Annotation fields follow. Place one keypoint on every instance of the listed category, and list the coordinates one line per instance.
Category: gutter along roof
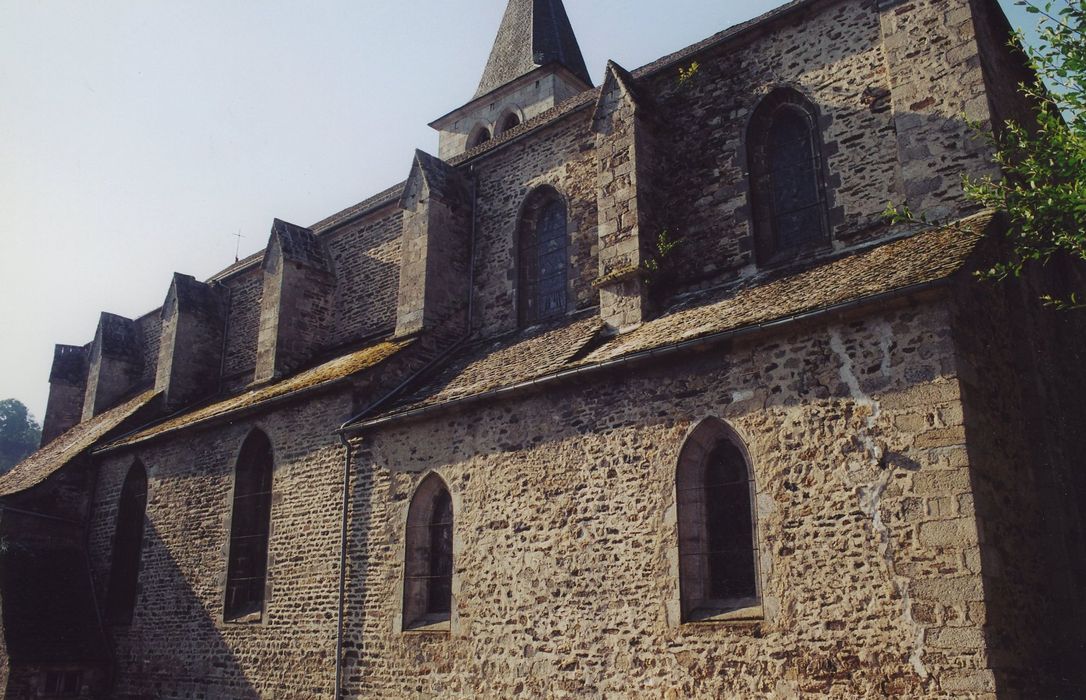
(775, 298)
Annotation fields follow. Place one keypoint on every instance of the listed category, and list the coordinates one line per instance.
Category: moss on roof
(327, 373)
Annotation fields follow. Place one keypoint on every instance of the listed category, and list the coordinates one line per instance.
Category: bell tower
(534, 65)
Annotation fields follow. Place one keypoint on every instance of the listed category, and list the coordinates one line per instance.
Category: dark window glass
(787, 188)
(440, 595)
(543, 261)
(797, 207)
(730, 531)
(127, 547)
(248, 566)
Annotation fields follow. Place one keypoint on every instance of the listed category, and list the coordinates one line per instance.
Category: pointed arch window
(250, 524)
(714, 495)
(127, 547)
(543, 261)
(787, 179)
(428, 559)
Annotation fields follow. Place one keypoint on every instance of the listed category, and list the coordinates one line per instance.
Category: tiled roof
(906, 262)
(900, 264)
(532, 33)
(520, 357)
(327, 373)
(49, 459)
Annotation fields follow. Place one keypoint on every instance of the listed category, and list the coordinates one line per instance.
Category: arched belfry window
(250, 524)
(787, 179)
(509, 121)
(478, 137)
(127, 547)
(428, 558)
(714, 495)
(543, 258)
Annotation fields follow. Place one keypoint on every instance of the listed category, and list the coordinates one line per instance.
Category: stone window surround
(527, 213)
(130, 606)
(446, 627)
(746, 612)
(777, 96)
(261, 617)
(476, 138)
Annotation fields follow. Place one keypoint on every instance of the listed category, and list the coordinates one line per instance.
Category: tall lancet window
(127, 548)
(715, 491)
(428, 558)
(543, 257)
(787, 181)
(247, 570)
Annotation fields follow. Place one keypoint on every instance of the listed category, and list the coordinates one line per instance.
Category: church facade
(630, 391)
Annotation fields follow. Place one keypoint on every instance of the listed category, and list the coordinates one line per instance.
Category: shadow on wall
(175, 647)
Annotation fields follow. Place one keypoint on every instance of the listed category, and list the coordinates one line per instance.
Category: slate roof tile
(49, 459)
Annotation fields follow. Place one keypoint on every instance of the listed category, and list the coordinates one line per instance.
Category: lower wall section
(565, 580)
(178, 645)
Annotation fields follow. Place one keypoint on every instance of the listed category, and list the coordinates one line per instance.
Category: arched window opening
(714, 490)
(478, 137)
(510, 121)
(429, 556)
(247, 570)
(787, 181)
(543, 258)
(127, 548)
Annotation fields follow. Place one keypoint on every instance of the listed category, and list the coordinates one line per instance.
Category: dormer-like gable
(190, 348)
(296, 303)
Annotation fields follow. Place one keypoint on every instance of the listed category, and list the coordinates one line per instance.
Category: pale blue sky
(138, 136)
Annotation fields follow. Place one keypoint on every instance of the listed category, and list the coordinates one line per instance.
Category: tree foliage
(19, 433)
(1043, 188)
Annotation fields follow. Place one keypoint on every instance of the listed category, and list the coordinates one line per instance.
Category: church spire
(533, 33)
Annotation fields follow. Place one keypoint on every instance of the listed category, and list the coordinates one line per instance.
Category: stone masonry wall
(1022, 386)
(565, 573)
(178, 645)
(834, 57)
(242, 327)
(366, 255)
(560, 156)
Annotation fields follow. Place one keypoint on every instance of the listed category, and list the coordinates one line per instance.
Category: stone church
(631, 391)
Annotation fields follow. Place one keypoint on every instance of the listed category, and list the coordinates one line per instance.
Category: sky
(141, 137)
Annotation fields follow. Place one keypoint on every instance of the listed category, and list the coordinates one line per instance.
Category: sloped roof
(906, 262)
(534, 352)
(533, 33)
(321, 375)
(898, 265)
(49, 459)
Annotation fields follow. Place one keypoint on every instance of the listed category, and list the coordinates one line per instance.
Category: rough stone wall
(1004, 69)
(937, 87)
(242, 327)
(178, 645)
(366, 255)
(190, 359)
(115, 367)
(149, 328)
(561, 155)
(834, 57)
(1022, 383)
(67, 389)
(565, 574)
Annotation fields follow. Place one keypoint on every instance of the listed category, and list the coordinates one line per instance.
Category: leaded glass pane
(543, 263)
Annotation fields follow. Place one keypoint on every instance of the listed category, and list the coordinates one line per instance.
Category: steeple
(533, 33)
(535, 64)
